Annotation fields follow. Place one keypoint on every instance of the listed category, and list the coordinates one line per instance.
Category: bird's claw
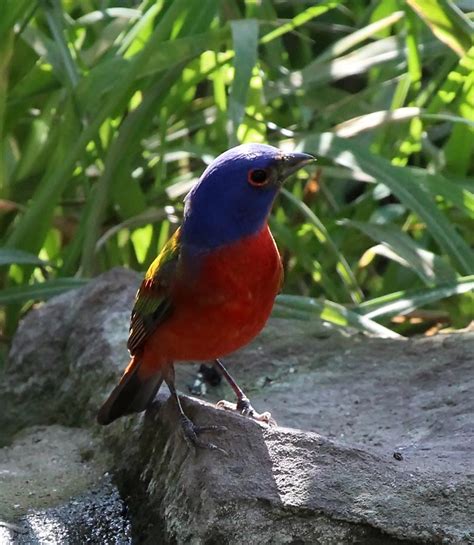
(244, 408)
(191, 434)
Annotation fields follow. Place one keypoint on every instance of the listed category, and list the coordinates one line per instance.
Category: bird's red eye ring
(258, 177)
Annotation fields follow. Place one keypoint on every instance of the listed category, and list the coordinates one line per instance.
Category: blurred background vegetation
(110, 110)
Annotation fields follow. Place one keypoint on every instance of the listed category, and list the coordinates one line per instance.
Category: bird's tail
(133, 394)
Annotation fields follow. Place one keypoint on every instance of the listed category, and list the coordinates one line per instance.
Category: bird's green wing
(153, 303)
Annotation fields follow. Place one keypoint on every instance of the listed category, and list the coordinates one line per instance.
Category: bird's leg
(243, 405)
(190, 430)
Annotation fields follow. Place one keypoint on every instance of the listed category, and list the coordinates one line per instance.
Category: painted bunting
(212, 288)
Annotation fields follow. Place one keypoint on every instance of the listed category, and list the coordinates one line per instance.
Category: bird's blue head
(234, 196)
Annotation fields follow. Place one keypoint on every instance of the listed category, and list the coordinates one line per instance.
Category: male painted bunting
(212, 288)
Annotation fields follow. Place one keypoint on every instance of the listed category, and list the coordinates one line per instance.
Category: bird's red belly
(225, 308)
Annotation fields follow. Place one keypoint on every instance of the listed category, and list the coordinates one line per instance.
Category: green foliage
(109, 111)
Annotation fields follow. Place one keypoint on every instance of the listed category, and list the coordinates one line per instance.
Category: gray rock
(382, 452)
(67, 354)
(281, 485)
(408, 396)
(53, 490)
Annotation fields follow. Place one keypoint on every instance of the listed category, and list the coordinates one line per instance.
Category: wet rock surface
(97, 516)
(54, 489)
(381, 450)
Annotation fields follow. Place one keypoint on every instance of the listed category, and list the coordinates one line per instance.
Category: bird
(211, 289)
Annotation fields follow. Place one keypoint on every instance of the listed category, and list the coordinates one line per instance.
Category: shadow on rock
(276, 485)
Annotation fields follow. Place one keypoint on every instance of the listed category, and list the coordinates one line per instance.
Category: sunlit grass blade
(355, 38)
(403, 302)
(333, 313)
(449, 24)
(357, 62)
(374, 120)
(302, 18)
(94, 17)
(31, 229)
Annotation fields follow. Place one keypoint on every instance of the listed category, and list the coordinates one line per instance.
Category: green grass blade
(300, 19)
(412, 39)
(355, 38)
(436, 184)
(460, 146)
(428, 266)
(175, 51)
(359, 61)
(446, 22)
(343, 268)
(403, 186)
(406, 301)
(12, 12)
(32, 228)
(55, 19)
(6, 51)
(115, 173)
(375, 120)
(334, 313)
(39, 292)
(245, 41)
(10, 256)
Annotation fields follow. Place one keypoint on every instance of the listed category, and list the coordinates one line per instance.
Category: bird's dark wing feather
(153, 303)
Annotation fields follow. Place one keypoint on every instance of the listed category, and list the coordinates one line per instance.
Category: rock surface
(381, 453)
(281, 485)
(66, 354)
(53, 490)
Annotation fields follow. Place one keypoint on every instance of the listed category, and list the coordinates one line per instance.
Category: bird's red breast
(223, 307)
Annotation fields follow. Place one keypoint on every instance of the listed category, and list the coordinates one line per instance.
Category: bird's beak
(291, 162)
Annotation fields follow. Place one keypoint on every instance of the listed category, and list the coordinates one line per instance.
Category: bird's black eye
(258, 176)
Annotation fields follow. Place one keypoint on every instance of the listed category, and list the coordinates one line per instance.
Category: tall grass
(109, 111)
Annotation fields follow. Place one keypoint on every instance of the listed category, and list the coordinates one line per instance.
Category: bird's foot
(244, 408)
(192, 432)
